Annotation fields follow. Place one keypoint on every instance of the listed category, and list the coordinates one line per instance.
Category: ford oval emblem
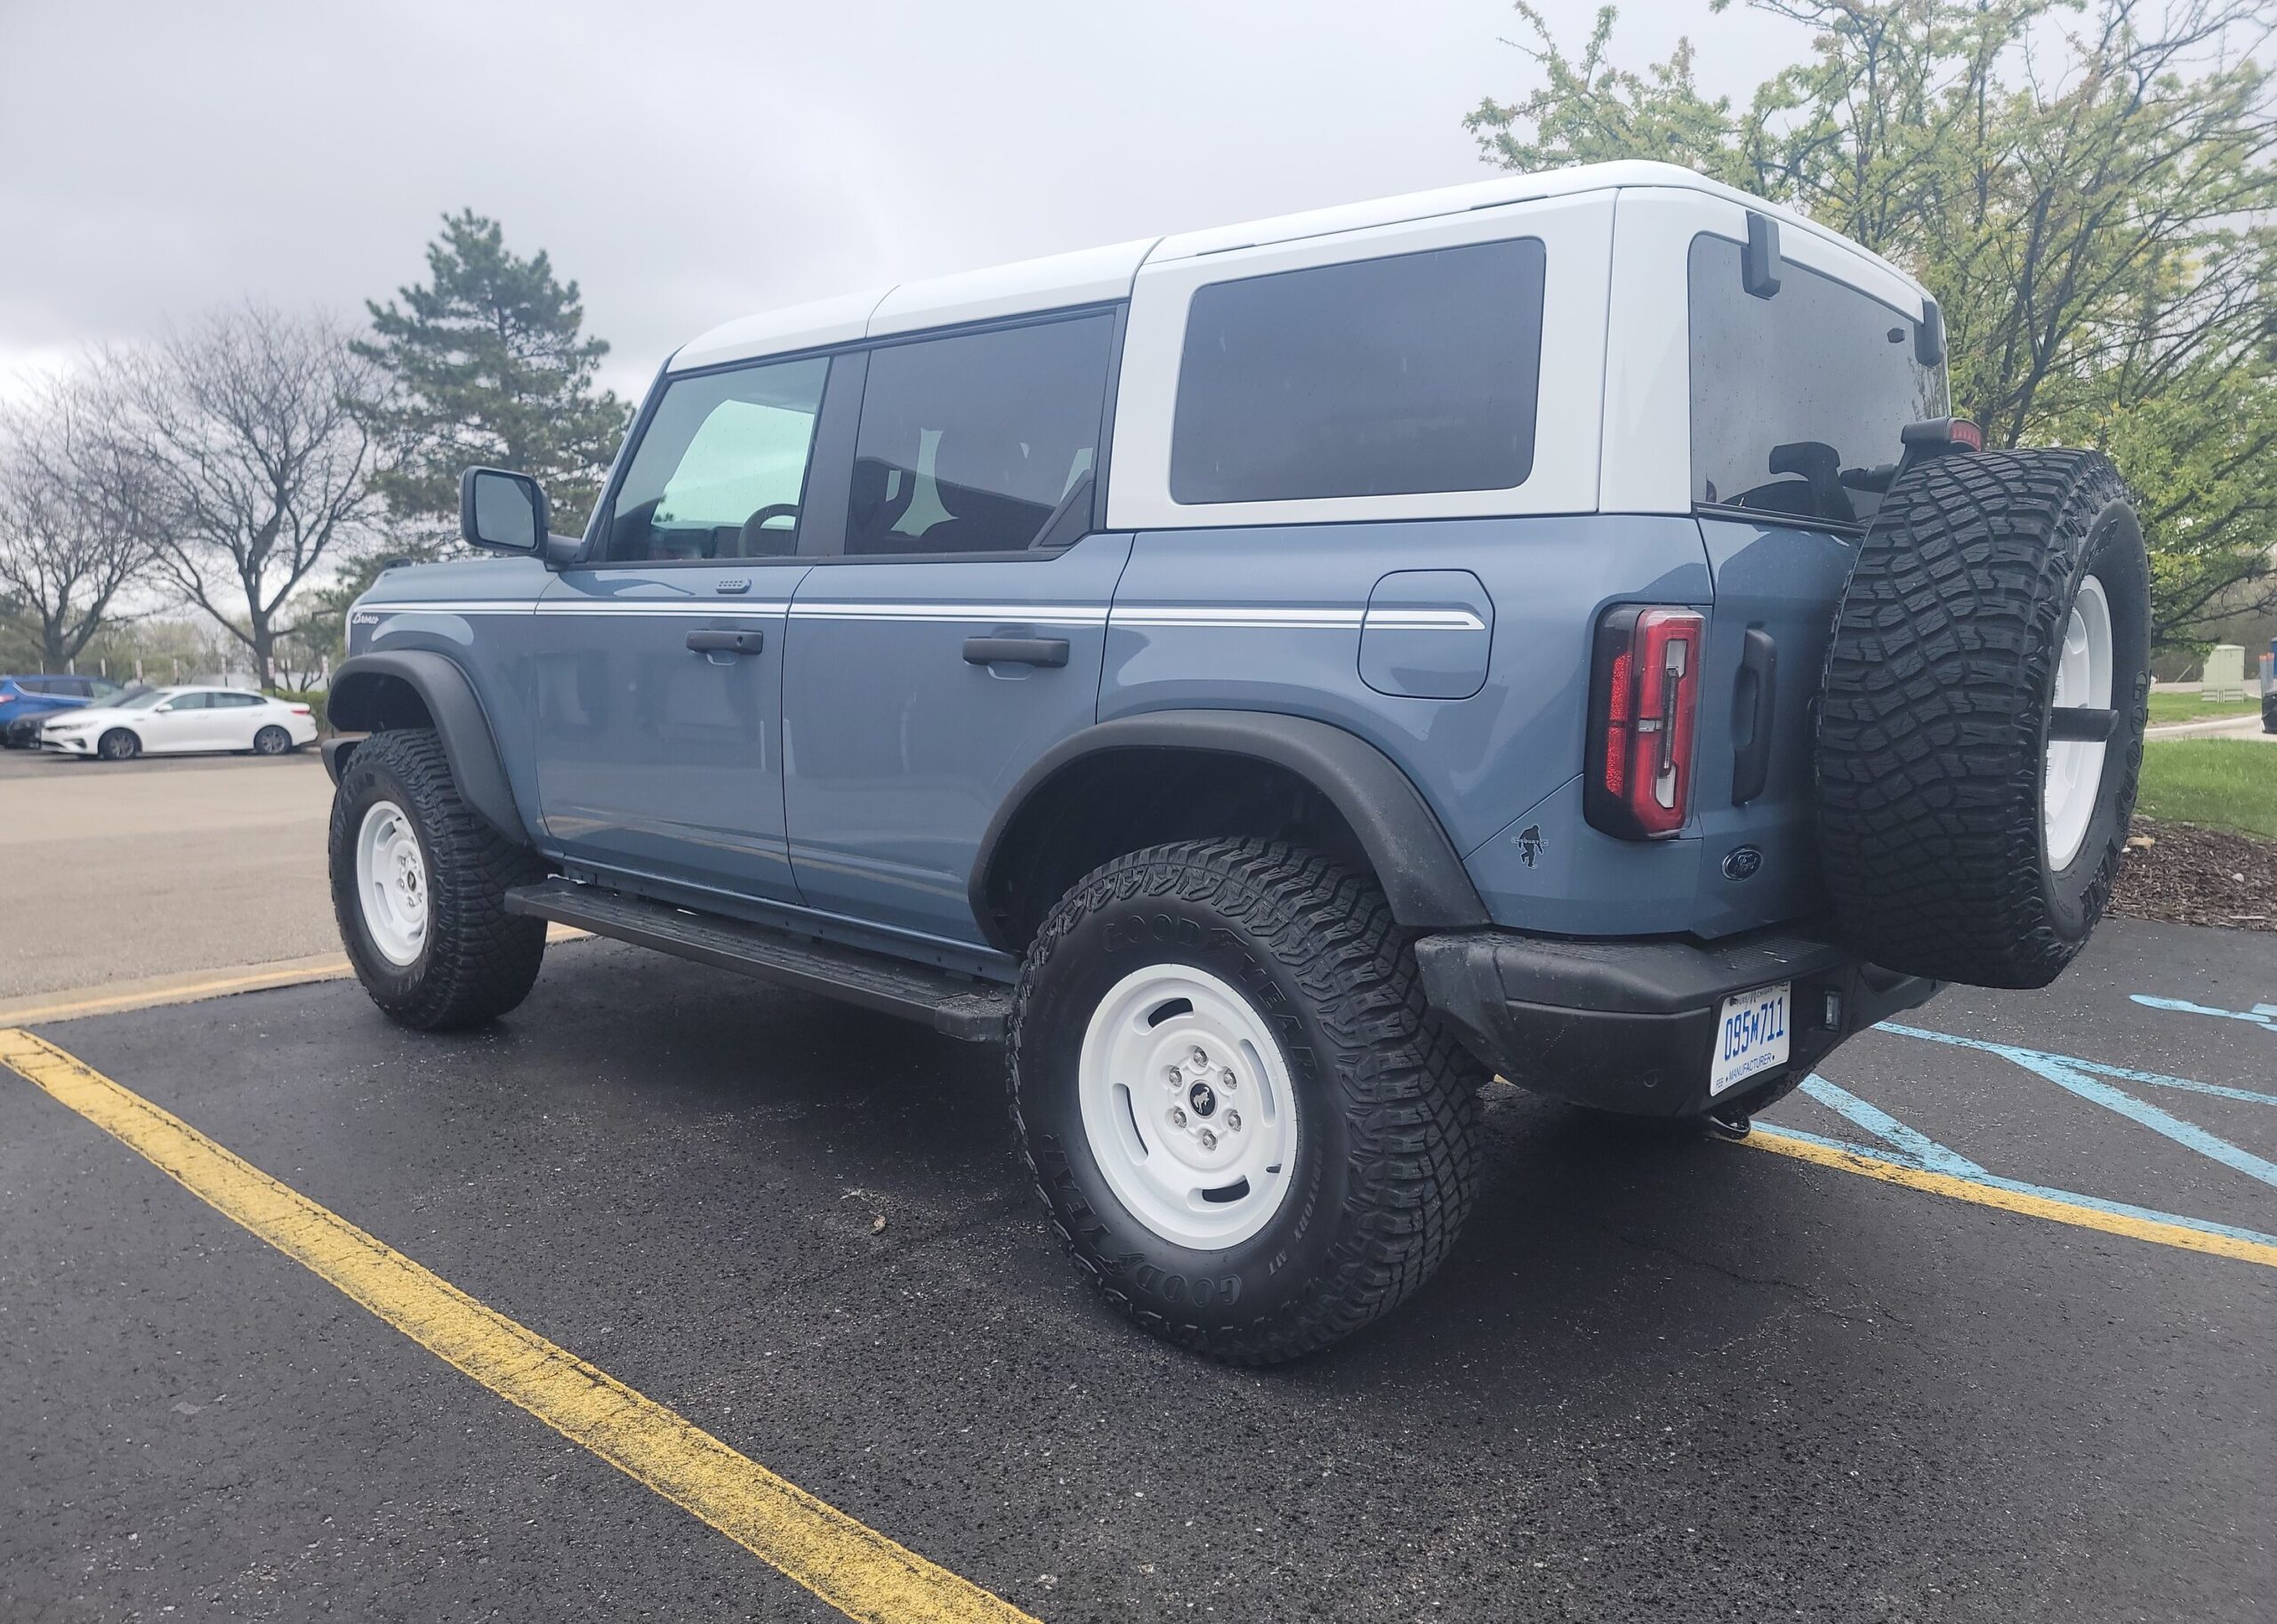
(1741, 861)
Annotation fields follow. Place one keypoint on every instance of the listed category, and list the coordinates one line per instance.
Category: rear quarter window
(1797, 399)
(1411, 373)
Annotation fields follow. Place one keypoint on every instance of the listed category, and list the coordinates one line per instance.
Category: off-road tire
(1386, 1165)
(1932, 735)
(477, 961)
(119, 745)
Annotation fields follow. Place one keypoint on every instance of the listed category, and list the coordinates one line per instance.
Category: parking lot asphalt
(114, 871)
(1659, 1377)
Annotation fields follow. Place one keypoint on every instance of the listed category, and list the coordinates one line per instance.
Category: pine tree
(487, 363)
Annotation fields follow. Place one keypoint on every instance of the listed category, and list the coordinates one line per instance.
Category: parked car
(26, 701)
(177, 720)
(2269, 688)
(1275, 678)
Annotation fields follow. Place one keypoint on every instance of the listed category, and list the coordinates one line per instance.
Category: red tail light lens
(1966, 433)
(302, 710)
(1644, 709)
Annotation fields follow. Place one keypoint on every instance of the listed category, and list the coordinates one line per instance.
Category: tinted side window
(1379, 377)
(721, 467)
(232, 702)
(1797, 398)
(190, 702)
(969, 442)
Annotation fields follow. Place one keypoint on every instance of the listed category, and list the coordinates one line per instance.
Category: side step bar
(973, 1010)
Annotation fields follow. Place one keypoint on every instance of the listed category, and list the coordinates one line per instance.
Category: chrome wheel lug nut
(1209, 1140)
(1176, 1075)
(1226, 1078)
(1233, 1122)
(1178, 1116)
(1200, 1058)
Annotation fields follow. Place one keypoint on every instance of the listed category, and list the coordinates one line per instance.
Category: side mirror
(503, 512)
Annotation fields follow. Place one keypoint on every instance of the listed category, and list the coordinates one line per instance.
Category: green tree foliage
(2086, 187)
(486, 362)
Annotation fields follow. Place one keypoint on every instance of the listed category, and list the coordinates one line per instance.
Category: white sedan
(171, 720)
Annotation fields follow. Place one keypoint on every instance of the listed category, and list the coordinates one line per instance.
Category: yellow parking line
(2016, 1201)
(182, 991)
(853, 1567)
(198, 985)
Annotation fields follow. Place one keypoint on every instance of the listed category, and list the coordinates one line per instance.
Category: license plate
(1752, 1038)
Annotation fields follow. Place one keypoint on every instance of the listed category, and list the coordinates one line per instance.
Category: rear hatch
(1776, 590)
(1798, 401)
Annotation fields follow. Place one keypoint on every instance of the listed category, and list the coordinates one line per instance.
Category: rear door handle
(727, 642)
(1758, 672)
(1015, 651)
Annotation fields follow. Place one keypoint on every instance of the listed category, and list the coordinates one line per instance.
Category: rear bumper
(1629, 1025)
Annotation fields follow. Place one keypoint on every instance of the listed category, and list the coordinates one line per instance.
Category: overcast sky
(689, 163)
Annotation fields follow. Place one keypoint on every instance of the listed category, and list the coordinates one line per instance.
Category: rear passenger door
(234, 719)
(953, 633)
(659, 656)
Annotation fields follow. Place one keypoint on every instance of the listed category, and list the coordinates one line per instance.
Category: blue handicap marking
(2092, 1080)
(2081, 1078)
(2263, 1016)
(1917, 1146)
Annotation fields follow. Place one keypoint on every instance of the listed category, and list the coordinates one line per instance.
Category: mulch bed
(2194, 876)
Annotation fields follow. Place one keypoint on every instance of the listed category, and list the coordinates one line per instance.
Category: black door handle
(1015, 651)
(1756, 697)
(727, 642)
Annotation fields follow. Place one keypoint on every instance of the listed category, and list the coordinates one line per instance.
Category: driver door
(659, 666)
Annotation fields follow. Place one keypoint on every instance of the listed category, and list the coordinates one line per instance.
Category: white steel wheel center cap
(2073, 775)
(1187, 1106)
(392, 882)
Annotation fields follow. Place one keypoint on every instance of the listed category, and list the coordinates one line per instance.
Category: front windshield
(137, 699)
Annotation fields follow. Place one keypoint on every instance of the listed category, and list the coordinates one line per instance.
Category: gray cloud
(688, 162)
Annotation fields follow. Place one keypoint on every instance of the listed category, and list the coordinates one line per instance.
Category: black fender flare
(443, 688)
(1421, 873)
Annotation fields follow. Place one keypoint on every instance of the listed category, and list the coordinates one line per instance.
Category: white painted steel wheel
(2073, 776)
(1187, 1106)
(392, 882)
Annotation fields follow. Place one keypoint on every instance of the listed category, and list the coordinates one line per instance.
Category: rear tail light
(1644, 706)
(302, 710)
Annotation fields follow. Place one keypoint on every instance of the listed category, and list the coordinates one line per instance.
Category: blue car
(26, 702)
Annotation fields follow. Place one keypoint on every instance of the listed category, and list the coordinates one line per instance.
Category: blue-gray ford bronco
(1275, 680)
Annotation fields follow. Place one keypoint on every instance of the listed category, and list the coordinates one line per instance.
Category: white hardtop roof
(1098, 276)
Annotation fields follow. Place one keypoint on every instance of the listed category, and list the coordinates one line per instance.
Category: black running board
(973, 1010)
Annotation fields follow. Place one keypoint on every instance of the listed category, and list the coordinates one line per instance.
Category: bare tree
(267, 469)
(80, 511)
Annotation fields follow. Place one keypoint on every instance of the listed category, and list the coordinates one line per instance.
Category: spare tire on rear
(1980, 724)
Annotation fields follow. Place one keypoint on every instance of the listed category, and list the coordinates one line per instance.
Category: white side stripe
(480, 606)
(1149, 616)
(677, 605)
(1052, 614)
(1245, 618)
(1424, 620)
